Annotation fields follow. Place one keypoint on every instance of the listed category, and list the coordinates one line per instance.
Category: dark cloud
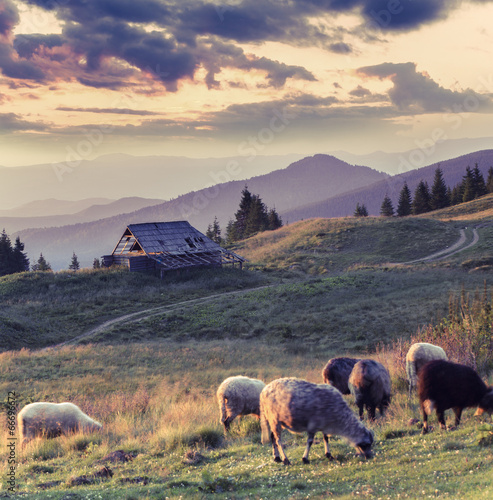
(10, 122)
(360, 91)
(9, 17)
(118, 111)
(340, 48)
(416, 92)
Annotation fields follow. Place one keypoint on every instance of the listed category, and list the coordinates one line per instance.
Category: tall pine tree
(387, 209)
(489, 181)
(421, 201)
(439, 197)
(214, 232)
(404, 206)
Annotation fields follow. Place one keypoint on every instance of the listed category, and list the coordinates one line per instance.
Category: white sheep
(301, 406)
(53, 419)
(418, 355)
(238, 395)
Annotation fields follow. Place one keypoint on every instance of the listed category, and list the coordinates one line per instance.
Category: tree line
(252, 217)
(439, 196)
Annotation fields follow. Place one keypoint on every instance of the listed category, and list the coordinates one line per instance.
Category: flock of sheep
(301, 406)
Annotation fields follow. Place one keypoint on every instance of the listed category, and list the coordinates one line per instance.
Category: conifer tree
(21, 262)
(478, 181)
(404, 206)
(468, 186)
(387, 209)
(41, 264)
(96, 264)
(214, 232)
(421, 201)
(6, 254)
(74, 263)
(360, 211)
(439, 198)
(489, 181)
(274, 221)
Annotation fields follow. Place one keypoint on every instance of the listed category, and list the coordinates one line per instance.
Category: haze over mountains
(317, 186)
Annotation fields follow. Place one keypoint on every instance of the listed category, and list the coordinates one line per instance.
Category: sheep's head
(486, 403)
(364, 447)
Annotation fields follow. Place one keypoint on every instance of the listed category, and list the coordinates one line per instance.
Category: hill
(313, 178)
(372, 196)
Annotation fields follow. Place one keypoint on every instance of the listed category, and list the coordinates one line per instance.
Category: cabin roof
(172, 244)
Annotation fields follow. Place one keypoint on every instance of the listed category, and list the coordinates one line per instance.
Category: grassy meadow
(311, 291)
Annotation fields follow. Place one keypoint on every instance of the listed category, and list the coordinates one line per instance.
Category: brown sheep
(337, 371)
(370, 385)
(238, 395)
(300, 406)
(443, 385)
(418, 355)
(52, 420)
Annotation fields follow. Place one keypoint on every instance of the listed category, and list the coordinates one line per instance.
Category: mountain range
(317, 186)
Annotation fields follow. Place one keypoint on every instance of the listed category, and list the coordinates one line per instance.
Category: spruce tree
(96, 264)
(241, 216)
(489, 181)
(21, 262)
(360, 211)
(404, 206)
(387, 209)
(479, 184)
(439, 198)
(41, 264)
(274, 221)
(214, 232)
(74, 263)
(468, 186)
(6, 255)
(421, 201)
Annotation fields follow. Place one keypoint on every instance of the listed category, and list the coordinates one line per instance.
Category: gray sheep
(53, 419)
(300, 406)
(418, 355)
(370, 385)
(337, 371)
(238, 395)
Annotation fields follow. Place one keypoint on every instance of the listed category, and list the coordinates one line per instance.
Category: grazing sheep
(418, 355)
(299, 406)
(370, 385)
(238, 396)
(52, 420)
(337, 371)
(443, 385)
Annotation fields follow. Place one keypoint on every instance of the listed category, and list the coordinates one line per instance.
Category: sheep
(443, 385)
(299, 406)
(418, 355)
(337, 371)
(52, 420)
(238, 395)
(370, 385)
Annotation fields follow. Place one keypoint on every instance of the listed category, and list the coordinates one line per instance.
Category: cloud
(10, 122)
(118, 111)
(416, 92)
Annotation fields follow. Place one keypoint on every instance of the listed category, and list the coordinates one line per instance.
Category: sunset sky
(198, 78)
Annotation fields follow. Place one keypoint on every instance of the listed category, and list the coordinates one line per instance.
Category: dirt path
(460, 245)
(149, 313)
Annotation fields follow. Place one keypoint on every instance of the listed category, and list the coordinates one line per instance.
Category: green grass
(157, 403)
(312, 290)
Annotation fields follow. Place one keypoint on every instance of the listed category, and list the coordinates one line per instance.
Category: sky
(204, 78)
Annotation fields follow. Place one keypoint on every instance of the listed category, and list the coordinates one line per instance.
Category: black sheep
(443, 385)
(337, 371)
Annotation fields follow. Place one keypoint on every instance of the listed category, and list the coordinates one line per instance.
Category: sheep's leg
(309, 443)
(327, 450)
(275, 449)
(441, 418)
(458, 414)
(360, 411)
(371, 412)
(280, 449)
(425, 419)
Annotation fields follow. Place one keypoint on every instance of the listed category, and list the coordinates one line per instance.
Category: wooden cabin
(166, 246)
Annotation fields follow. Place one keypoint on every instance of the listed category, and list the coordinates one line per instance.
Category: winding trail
(154, 311)
(460, 245)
